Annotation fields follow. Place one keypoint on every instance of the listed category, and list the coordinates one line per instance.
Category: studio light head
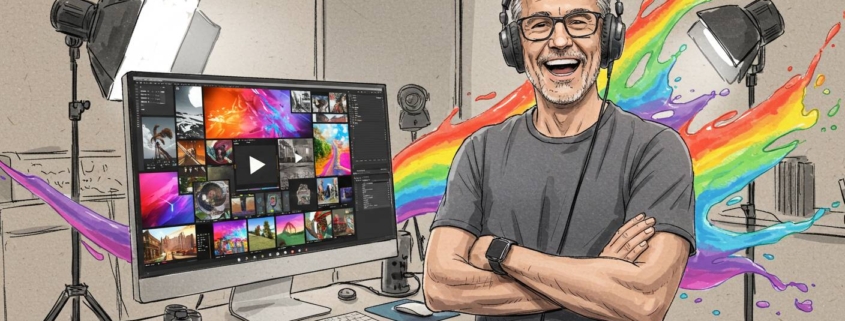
(730, 37)
(414, 116)
(136, 35)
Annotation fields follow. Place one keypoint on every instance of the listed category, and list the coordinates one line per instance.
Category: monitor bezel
(180, 284)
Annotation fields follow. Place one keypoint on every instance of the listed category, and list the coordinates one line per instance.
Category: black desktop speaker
(394, 270)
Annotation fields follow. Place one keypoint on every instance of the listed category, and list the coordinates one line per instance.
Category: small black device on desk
(178, 312)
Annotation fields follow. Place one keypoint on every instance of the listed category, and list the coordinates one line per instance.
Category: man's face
(562, 68)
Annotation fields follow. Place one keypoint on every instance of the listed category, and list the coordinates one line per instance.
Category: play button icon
(296, 158)
(254, 165)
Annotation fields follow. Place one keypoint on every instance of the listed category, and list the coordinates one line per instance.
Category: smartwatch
(497, 252)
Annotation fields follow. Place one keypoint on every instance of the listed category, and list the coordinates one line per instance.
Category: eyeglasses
(577, 25)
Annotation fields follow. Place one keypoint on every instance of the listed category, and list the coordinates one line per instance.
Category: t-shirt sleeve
(662, 186)
(461, 205)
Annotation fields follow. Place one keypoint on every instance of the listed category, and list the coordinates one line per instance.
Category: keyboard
(351, 316)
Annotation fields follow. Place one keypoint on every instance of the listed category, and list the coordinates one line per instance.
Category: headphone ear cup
(612, 40)
(511, 45)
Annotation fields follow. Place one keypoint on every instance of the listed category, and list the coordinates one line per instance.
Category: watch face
(496, 248)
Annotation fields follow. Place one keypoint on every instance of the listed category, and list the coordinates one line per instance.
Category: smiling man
(504, 243)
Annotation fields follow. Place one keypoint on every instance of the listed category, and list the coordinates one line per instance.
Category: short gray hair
(516, 8)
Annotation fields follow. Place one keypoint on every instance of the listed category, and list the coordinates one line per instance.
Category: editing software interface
(233, 171)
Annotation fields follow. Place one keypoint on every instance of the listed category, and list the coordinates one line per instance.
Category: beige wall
(393, 42)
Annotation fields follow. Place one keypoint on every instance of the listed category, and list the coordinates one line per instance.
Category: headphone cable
(586, 161)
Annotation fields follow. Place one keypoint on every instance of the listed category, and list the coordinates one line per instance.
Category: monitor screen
(232, 170)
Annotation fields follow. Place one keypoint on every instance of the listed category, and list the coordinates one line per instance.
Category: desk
(328, 297)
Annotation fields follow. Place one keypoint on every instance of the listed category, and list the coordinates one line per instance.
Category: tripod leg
(57, 308)
(96, 308)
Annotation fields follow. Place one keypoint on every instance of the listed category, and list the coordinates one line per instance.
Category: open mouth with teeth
(563, 67)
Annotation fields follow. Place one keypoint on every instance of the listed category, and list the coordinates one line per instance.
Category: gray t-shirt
(511, 181)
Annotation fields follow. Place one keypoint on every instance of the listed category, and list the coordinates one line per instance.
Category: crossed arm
(458, 278)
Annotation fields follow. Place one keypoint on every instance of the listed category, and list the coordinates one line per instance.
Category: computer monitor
(246, 182)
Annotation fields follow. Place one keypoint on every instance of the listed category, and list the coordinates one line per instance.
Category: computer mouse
(414, 308)
(346, 294)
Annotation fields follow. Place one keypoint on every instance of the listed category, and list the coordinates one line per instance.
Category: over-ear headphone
(612, 38)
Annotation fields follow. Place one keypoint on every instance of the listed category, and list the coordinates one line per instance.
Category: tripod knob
(86, 104)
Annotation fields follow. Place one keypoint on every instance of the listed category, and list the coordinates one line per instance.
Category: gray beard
(565, 100)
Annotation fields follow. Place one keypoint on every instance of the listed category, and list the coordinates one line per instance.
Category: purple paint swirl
(806, 306)
(97, 255)
(105, 233)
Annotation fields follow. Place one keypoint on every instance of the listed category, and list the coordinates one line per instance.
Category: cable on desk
(374, 291)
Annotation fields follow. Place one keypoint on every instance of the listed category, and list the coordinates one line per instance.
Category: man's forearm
(463, 288)
(601, 288)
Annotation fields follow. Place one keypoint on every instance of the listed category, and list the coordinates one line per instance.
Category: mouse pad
(386, 310)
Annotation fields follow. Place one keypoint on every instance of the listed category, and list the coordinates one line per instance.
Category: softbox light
(138, 35)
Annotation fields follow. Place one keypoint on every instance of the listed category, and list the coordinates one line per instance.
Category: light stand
(731, 37)
(749, 208)
(414, 116)
(76, 289)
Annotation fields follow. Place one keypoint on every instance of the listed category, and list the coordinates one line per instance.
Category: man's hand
(477, 254)
(631, 239)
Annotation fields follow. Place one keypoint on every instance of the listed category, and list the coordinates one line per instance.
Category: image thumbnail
(159, 142)
(290, 230)
(327, 191)
(286, 201)
(211, 201)
(300, 101)
(232, 113)
(191, 152)
(222, 173)
(274, 203)
(331, 118)
(259, 204)
(296, 150)
(230, 237)
(303, 195)
(161, 204)
(243, 205)
(219, 152)
(289, 172)
(189, 120)
(331, 150)
(346, 195)
(338, 103)
(343, 222)
(170, 244)
(262, 233)
(318, 226)
(319, 102)
(190, 175)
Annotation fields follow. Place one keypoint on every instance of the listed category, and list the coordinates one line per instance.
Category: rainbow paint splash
(725, 157)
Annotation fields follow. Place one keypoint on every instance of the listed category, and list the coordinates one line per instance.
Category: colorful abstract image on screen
(170, 244)
(232, 113)
(230, 237)
(331, 150)
(290, 230)
(161, 204)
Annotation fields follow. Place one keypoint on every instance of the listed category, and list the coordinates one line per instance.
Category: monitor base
(271, 300)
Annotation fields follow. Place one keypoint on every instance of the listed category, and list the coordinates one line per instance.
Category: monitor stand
(271, 300)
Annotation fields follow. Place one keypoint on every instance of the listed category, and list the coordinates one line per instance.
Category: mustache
(569, 54)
